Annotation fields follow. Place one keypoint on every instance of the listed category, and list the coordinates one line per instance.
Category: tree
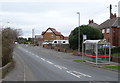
(30, 39)
(91, 32)
(22, 40)
(8, 37)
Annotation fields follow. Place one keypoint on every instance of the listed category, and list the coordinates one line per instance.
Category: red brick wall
(47, 36)
(115, 36)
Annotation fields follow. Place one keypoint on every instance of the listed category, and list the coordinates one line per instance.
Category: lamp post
(78, 32)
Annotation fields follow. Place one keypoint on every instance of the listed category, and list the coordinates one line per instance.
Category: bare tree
(8, 37)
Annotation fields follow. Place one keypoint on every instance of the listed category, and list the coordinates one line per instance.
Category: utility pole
(110, 11)
(110, 33)
(33, 36)
(78, 32)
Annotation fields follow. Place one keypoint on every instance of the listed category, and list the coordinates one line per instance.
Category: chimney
(113, 15)
(91, 21)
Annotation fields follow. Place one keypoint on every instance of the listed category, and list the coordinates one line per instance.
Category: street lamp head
(78, 12)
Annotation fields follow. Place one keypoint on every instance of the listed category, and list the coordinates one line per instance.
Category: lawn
(78, 60)
(113, 67)
(30, 45)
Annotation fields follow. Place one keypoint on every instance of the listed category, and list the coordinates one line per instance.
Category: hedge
(115, 50)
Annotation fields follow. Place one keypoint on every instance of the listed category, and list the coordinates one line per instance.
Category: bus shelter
(96, 51)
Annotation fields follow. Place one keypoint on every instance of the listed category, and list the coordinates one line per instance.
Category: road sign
(84, 37)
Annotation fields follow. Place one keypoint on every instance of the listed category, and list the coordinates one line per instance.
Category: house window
(103, 30)
(52, 36)
(108, 31)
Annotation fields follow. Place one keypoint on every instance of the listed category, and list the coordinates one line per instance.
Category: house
(52, 34)
(66, 38)
(93, 24)
(111, 30)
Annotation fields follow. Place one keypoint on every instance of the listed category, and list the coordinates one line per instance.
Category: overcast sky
(58, 14)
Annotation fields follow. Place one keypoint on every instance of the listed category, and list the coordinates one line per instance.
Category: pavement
(40, 64)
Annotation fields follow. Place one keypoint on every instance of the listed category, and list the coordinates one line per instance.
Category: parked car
(60, 42)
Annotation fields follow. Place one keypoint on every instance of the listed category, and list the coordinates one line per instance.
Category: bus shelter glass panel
(103, 53)
(90, 52)
(98, 53)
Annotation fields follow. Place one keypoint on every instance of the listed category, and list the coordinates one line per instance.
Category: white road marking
(63, 67)
(72, 74)
(58, 66)
(82, 74)
(26, 51)
(37, 56)
(77, 74)
(49, 62)
(32, 54)
(24, 74)
(42, 59)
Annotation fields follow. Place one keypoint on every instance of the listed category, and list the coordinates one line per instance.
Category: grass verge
(30, 45)
(7, 68)
(78, 60)
(113, 67)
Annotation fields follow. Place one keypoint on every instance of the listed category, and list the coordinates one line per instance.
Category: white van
(60, 42)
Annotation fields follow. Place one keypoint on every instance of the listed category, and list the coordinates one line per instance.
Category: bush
(91, 32)
(8, 37)
(115, 50)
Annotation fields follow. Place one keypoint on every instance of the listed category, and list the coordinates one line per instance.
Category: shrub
(91, 32)
(115, 50)
(8, 37)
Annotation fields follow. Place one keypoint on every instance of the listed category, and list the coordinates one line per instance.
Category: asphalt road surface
(40, 64)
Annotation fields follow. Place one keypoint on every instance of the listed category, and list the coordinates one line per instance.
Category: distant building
(38, 40)
(111, 30)
(93, 24)
(52, 34)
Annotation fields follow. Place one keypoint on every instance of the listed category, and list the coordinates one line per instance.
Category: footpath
(20, 72)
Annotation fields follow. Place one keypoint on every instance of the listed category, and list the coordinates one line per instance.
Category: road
(40, 64)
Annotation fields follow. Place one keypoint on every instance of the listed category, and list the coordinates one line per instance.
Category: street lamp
(78, 32)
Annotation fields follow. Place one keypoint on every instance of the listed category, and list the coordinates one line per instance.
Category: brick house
(111, 30)
(52, 34)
